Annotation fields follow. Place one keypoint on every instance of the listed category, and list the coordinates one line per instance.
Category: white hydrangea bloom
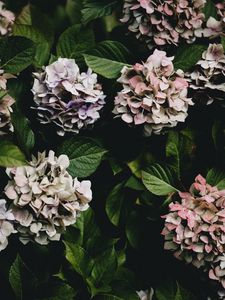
(46, 199)
(6, 225)
(67, 98)
(146, 295)
(7, 19)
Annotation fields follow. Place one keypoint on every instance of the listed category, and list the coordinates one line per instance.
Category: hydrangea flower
(207, 80)
(213, 27)
(67, 98)
(7, 19)
(45, 198)
(153, 94)
(164, 22)
(5, 105)
(146, 295)
(6, 225)
(195, 228)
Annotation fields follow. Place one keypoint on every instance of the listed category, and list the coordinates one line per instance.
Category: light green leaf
(173, 291)
(85, 156)
(10, 155)
(216, 177)
(16, 54)
(114, 204)
(187, 56)
(81, 262)
(159, 180)
(75, 41)
(94, 9)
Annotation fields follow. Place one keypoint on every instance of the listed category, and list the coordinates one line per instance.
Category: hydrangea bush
(109, 112)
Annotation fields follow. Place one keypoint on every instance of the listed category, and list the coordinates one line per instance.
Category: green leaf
(81, 262)
(15, 277)
(173, 291)
(159, 180)
(107, 297)
(172, 151)
(104, 267)
(24, 134)
(19, 277)
(41, 33)
(223, 42)
(85, 156)
(187, 56)
(108, 59)
(75, 41)
(114, 204)
(61, 292)
(16, 53)
(73, 10)
(94, 9)
(135, 184)
(216, 177)
(10, 155)
(210, 10)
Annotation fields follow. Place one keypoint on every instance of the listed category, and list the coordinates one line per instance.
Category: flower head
(45, 198)
(7, 19)
(6, 102)
(6, 225)
(153, 94)
(67, 98)
(164, 22)
(195, 228)
(207, 80)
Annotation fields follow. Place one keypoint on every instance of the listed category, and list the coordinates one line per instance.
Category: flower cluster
(7, 19)
(44, 198)
(207, 80)
(195, 228)
(6, 225)
(153, 94)
(164, 22)
(5, 105)
(146, 295)
(67, 98)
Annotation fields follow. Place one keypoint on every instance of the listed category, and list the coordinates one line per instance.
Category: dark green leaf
(85, 156)
(104, 267)
(210, 10)
(114, 204)
(108, 59)
(187, 56)
(24, 134)
(75, 41)
(16, 53)
(94, 9)
(73, 9)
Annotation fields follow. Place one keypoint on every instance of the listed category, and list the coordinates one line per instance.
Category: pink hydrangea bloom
(7, 19)
(67, 98)
(207, 80)
(45, 198)
(195, 228)
(164, 22)
(153, 94)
